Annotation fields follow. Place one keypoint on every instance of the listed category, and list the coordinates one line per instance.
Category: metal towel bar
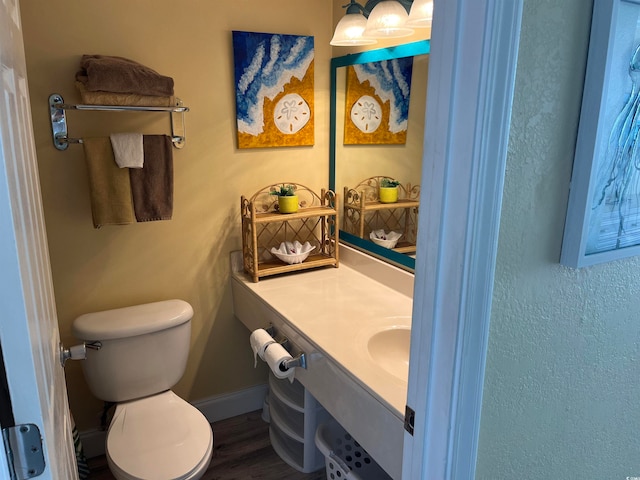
(61, 140)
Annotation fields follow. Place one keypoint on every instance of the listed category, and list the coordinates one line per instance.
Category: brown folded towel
(121, 75)
(126, 99)
(109, 185)
(152, 185)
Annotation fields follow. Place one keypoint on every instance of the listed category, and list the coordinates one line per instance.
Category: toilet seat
(161, 437)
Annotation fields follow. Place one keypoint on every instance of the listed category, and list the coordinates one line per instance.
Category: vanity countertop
(339, 309)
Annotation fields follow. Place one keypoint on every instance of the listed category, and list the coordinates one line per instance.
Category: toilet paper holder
(299, 360)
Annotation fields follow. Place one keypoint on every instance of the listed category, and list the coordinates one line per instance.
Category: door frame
(471, 81)
(28, 326)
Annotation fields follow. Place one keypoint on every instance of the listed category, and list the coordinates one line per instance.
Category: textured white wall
(562, 385)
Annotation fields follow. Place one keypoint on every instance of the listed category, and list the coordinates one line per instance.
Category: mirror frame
(422, 47)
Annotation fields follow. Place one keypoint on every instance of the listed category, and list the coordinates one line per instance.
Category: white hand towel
(127, 149)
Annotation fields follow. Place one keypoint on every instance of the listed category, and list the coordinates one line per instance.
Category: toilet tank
(144, 349)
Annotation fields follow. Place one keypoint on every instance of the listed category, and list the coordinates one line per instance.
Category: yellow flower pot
(288, 204)
(388, 194)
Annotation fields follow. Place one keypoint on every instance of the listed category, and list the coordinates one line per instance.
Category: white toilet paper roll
(275, 355)
(259, 341)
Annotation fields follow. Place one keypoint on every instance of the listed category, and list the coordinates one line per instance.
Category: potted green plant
(388, 190)
(287, 198)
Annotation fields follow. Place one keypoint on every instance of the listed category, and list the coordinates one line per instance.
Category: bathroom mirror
(359, 163)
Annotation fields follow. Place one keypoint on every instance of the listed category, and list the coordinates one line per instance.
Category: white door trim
(28, 324)
(471, 79)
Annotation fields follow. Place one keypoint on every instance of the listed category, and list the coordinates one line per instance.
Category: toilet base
(194, 475)
(161, 437)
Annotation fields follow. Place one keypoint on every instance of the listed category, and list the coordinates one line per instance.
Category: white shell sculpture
(386, 240)
(293, 252)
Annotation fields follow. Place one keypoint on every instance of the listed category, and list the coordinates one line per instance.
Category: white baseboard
(216, 408)
(227, 405)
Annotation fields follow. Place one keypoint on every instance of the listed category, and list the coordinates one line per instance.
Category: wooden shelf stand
(364, 212)
(263, 228)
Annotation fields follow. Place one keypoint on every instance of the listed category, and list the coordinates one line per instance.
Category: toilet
(134, 356)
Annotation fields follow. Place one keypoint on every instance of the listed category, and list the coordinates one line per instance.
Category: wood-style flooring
(242, 451)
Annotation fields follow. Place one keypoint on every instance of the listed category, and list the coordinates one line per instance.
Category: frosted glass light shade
(388, 19)
(349, 31)
(421, 14)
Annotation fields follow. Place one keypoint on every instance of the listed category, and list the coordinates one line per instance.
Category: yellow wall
(188, 256)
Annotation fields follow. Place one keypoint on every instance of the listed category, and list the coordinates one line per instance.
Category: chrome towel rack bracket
(59, 130)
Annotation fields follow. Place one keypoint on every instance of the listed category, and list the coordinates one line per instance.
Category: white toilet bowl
(161, 437)
(135, 355)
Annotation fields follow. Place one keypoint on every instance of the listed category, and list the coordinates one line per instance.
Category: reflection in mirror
(360, 163)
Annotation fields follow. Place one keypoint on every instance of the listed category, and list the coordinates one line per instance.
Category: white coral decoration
(293, 252)
(387, 240)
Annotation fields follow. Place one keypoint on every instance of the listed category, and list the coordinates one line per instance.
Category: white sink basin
(390, 350)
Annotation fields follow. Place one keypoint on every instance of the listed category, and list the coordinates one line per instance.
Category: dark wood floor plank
(242, 451)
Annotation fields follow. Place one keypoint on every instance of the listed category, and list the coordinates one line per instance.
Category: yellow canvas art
(274, 89)
(377, 102)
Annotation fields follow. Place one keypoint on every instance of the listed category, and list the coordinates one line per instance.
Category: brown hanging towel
(109, 185)
(152, 185)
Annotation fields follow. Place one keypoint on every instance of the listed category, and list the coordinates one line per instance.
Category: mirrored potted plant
(388, 190)
(287, 198)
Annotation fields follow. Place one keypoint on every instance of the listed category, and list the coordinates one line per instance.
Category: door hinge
(409, 419)
(23, 444)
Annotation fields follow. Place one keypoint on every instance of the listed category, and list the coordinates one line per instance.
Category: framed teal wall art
(603, 215)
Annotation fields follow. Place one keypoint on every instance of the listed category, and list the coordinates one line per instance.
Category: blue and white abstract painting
(614, 222)
(378, 97)
(274, 89)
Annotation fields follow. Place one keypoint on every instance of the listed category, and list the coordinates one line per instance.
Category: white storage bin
(295, 416)
(344, 457)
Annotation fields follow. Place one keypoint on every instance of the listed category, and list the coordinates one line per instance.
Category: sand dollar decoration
(291, 113)
(366, 114)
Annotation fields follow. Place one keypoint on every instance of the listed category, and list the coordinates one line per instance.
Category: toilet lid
(160, 437)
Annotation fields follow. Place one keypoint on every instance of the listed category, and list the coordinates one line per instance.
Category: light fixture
(387, 20)
(381, 19)
(421, 14)
(350, 28)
